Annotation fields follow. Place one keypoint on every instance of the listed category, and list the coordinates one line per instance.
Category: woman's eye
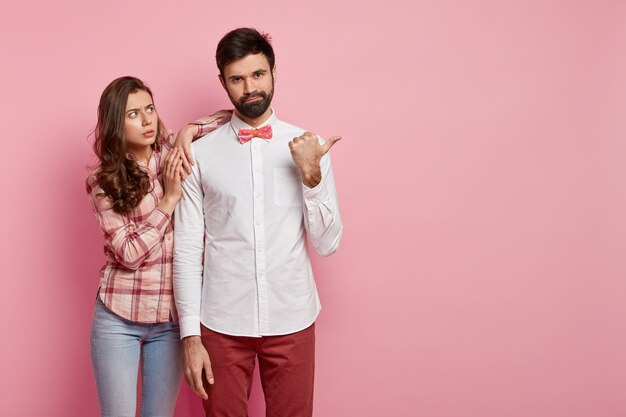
(132, 114)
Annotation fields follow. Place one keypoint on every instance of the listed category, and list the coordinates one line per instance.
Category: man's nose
(248, 86)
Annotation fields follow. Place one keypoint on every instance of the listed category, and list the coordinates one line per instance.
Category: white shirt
(246, 214)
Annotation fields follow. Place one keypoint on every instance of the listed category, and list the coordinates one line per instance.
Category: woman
(133, 192)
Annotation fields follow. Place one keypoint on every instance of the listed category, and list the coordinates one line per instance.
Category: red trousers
(286, 365)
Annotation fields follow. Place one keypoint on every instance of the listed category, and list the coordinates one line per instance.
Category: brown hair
(121, 178)
(239, 43)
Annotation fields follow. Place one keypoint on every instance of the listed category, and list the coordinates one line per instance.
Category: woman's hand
(172, 180)
(184, 138)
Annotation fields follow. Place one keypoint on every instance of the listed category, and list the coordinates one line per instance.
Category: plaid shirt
(136, 281)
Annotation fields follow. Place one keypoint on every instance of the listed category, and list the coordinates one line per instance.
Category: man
(243, 282)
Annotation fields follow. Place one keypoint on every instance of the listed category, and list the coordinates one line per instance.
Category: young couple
(233, 278)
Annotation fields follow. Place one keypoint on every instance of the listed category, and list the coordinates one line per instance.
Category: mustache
(250, 95)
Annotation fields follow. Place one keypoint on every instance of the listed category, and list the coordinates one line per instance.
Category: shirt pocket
(287, 187)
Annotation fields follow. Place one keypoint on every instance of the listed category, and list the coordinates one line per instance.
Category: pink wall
(481, 182)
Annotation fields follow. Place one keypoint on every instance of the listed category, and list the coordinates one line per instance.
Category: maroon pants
(286, 365)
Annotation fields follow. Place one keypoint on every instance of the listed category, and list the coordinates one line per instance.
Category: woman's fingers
(171, 156)
(177, 169)
(173, 160)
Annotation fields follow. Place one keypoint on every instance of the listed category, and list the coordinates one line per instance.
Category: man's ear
(274, 72)
(222, 80)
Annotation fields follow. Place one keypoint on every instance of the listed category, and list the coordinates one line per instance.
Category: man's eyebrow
(258, 71)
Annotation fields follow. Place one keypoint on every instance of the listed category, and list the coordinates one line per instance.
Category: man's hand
(195, 361)
(183, 140)
(306, 152)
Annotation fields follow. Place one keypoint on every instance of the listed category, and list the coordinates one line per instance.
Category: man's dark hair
(242, 42)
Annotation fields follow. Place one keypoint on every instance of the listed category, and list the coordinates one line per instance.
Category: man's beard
(256, 108)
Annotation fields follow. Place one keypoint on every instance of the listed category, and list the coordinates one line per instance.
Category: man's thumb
(330, 142)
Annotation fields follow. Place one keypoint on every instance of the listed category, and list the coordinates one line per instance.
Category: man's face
(249, 83)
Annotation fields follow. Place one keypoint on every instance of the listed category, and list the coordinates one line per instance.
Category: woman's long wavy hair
(121, 178)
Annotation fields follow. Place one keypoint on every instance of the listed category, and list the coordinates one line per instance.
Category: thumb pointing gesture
(329, 143)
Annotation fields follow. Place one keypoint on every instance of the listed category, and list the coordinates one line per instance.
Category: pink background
(481, 182)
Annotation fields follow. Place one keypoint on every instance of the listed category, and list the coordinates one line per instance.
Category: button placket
(258, 203)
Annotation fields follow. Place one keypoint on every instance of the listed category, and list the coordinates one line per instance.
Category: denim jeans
(117, 346)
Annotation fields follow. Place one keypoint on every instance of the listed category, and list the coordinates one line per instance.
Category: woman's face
(140, 122)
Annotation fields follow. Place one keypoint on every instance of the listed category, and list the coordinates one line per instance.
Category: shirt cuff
(208, 124)
(189, 326)
(316, 195)
(203, 129)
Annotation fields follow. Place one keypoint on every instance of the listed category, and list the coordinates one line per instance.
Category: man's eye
(258, 75)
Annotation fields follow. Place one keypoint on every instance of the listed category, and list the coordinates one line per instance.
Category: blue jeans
(116, 348)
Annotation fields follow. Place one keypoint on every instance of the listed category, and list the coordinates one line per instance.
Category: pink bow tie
(264, 132)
